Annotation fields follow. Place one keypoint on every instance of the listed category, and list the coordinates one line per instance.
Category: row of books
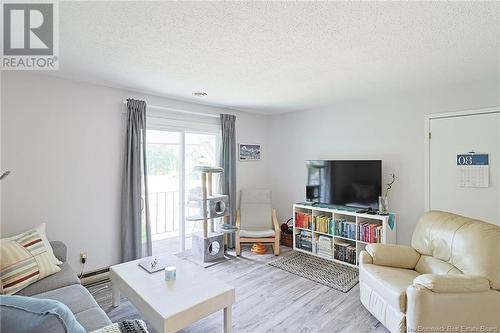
(303, 220)
(324, 247)
(370, 233)
(320, 223)
(345, 228)
(304, 241)
(324, 224)
(345, 252)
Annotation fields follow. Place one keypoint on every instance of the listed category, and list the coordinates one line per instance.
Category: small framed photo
(249, 152)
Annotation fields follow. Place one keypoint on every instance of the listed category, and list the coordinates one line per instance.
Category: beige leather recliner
(447, 281)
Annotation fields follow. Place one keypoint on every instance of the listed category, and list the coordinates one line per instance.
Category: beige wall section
(389, 127)
(63, 141)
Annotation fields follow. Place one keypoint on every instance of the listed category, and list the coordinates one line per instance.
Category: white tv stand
(388, 233)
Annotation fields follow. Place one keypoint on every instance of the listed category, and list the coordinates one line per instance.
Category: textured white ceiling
(273, 57)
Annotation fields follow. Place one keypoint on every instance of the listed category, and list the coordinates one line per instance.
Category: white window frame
(163, 121)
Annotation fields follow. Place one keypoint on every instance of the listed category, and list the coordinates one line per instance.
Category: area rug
(328, 273)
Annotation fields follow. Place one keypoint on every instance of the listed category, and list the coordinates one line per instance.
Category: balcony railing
(164, 212)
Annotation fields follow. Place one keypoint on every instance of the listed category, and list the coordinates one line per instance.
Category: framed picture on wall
(249, 152)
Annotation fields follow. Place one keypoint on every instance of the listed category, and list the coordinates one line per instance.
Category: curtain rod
(164, 108)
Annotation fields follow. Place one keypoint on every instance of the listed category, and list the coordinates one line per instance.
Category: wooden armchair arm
(238, 219)
(277, 229)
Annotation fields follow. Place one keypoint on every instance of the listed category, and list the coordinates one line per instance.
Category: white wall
(1, 165)
(388, 127)
(63, 141)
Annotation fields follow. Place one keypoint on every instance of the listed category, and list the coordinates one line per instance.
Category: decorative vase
(383, 204)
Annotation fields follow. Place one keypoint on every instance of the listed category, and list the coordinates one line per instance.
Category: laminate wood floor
(268, 300)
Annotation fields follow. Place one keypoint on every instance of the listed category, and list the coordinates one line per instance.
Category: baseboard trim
(95, 276)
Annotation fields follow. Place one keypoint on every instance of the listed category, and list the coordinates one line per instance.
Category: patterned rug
(328, 273)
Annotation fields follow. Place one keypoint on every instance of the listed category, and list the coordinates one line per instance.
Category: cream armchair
(256, 220)
(448, 279)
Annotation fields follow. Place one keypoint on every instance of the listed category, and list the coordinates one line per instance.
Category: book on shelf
(325, 241)
(370, 232)
(324, 246)
(325, 254)
(346, 229)
(303, 220)
(323, 224)
(304, 240)
(324, 238)
(345, 252)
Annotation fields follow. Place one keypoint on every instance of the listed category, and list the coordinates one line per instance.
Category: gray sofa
(65, 287)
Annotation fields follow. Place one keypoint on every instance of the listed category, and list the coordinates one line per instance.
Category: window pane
(201, 149)
(163, 161)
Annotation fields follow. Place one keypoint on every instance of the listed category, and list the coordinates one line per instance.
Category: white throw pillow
(41, 231)
(25, 260)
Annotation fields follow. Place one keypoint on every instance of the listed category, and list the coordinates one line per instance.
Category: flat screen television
(353, 183)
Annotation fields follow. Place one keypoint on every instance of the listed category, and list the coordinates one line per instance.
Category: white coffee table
(173, 305)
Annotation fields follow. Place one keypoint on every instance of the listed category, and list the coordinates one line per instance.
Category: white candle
(170, 273)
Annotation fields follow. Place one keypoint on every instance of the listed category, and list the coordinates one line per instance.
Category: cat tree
(208, 245)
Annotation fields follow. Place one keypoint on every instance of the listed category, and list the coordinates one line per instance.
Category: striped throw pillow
(24, 260)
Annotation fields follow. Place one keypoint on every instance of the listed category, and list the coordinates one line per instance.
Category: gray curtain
(228, 162)
(135, 227)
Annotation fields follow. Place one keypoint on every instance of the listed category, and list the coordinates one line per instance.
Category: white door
(479, 133)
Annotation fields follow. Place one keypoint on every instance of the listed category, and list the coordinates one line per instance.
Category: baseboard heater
(95, 276)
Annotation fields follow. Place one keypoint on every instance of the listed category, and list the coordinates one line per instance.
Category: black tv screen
(356, 183)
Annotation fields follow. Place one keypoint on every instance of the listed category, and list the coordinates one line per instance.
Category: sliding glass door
(174, 184)
(163, 154)
(200, 149)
